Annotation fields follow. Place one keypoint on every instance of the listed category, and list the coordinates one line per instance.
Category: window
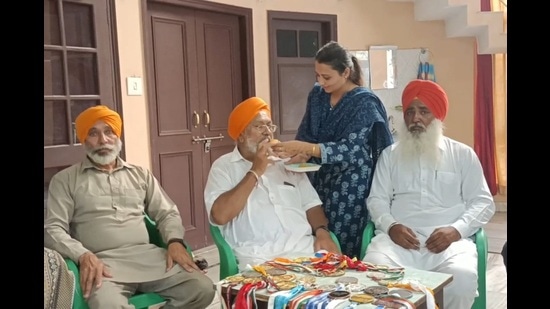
(78, 73)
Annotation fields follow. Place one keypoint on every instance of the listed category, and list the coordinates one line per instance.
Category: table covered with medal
(331, 281)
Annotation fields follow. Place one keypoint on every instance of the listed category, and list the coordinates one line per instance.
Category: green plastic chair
(229, 265)
(141, 300)
(480, 239)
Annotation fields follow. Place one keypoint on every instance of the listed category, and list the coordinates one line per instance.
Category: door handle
(196, 119)
(198, 139)
(206, 116)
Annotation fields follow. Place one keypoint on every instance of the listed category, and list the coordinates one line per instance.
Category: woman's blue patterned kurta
(351, 137)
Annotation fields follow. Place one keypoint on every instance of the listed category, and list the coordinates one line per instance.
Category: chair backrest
(229, 264)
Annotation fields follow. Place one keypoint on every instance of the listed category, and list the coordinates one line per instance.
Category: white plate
(302, 167)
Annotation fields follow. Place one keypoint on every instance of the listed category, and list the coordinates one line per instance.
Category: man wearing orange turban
(243, 113)
(102, 201)
(263, 211)
(429, 196)
(86, 120)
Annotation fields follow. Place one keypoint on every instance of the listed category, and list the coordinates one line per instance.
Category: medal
(235, 279)
(286, 285)
(403, 293)
(339, 294)
(327, 287)
(347, 280)
(362, 298)
(251, 274)
(275, 271)
(376, 290)
(281, 278)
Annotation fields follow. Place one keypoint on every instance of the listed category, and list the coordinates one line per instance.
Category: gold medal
(308, 279)
(362, 298)
(251, 280)
(281, 278)
(235, 279)
(286, 285)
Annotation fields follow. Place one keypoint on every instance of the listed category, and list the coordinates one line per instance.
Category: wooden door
(294, 39)
(194, 82)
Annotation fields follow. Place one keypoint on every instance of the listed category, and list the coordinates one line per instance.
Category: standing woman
(344, 129)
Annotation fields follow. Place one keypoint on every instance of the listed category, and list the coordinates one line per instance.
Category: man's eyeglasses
(261, 128)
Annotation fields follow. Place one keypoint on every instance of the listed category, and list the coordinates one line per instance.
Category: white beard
(426, 144)
(105, 159)
(251, 146)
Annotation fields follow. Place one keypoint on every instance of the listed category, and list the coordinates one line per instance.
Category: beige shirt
(93, 210)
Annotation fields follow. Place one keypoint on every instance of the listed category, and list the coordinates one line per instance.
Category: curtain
(500, 101)
(483, 119)
(485, 115)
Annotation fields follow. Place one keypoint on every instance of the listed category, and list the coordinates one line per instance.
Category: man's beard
(93, 153)
(426, 144)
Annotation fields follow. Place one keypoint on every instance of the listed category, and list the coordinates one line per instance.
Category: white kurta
(273, 223)
(423, 197)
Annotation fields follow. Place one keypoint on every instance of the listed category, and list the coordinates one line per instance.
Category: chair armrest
(368, 234)
(78, 299)
(228, 261)
(335, 239)
(481, 243)
(480, 238)
(156, 238)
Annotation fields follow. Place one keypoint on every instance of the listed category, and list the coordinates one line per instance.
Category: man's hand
(261, 160)
(92, 270)
(177, 253)
(323, 241)
(441, 238)
(404, 236)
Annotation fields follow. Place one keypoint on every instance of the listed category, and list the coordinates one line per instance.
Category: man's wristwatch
(324, 227)
(178, 240)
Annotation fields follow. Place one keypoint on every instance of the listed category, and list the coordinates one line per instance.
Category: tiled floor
(496, 273)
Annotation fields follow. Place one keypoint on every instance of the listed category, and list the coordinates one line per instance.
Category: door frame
(329, 32)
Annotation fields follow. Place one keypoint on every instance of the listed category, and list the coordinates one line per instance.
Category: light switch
(135, 86)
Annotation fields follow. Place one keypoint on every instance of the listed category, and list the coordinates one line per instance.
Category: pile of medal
(345, 288)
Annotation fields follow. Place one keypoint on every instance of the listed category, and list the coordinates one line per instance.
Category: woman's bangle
(313, 150)
(255, 175)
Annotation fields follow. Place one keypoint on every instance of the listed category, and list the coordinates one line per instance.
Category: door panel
(195, 81)
(294, 39)
(181, 189)
(177, 162)
(293, 107)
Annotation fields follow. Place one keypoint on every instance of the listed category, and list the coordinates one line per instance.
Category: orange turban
(243, 113)
(86, 120)
(430, 93)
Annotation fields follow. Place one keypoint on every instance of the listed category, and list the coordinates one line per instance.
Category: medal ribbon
(303, 298)
(416, 286)
(282, 300)
(316, 301)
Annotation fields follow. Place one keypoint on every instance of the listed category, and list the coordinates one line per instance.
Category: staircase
(464, 18)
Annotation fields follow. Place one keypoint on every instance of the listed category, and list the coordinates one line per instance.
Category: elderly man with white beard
(95, 216)
(428, 197)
